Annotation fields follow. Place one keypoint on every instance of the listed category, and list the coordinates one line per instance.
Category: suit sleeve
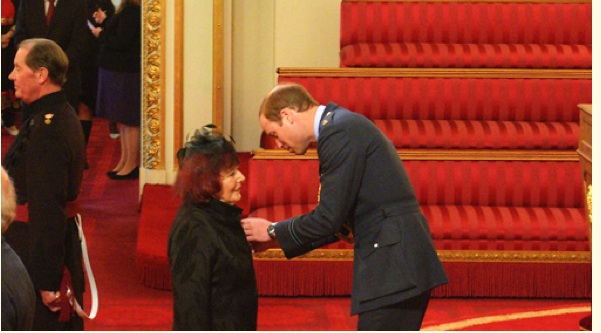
(21, 31)
(126, 29)
(342, 165)
(78, 39)
(295, 251)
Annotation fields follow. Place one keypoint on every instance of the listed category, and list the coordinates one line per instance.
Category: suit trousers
(403, 316)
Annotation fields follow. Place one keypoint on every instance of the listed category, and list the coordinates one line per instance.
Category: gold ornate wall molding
(154, 25)
(152, 79)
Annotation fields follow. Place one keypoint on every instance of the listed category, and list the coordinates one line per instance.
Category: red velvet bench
(466, 34)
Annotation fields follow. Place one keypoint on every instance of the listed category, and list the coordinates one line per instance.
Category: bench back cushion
(452, 98)
(477, 183)
(462, 22)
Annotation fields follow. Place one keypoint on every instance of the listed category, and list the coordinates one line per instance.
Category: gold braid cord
(554, 257)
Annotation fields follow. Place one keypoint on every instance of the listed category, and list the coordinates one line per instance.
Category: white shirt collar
(47, 4)
(318, 115)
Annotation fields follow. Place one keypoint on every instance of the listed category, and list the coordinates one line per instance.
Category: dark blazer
(120, 41)
(67, 28)
(364, 184)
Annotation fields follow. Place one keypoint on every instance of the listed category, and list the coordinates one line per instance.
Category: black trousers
(404, 316)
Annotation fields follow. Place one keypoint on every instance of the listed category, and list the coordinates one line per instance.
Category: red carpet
(110, 211)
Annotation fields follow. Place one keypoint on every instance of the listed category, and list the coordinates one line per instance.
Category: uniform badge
(48, 118)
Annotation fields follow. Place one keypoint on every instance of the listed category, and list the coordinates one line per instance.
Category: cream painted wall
(307, 33)
(198, 65)
(268, 34)
(260, 36)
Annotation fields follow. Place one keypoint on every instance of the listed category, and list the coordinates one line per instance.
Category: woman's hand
(99, 15)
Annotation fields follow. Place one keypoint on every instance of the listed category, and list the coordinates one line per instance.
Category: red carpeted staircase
(111, 214)
(484, 113)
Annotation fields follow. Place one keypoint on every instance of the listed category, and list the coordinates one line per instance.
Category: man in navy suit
(67, 27)
(365, 186)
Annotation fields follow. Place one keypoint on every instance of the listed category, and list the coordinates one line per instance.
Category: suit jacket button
(376, 245)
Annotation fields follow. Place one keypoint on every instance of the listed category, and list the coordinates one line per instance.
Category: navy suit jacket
(364, 184)
(67, 28)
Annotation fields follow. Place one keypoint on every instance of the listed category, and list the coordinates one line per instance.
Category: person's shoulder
(131, 10)
(57, 115)
(193, 216)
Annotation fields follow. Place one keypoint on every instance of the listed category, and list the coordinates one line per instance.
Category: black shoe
(109, 173)
(134, 174)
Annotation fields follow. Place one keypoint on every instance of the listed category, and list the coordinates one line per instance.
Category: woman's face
(231, 183)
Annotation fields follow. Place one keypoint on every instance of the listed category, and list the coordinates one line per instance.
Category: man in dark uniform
(46, 163)
(63, 21)
(365, 186)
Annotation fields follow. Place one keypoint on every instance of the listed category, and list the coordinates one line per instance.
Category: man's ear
(42, 74)
(286, 113)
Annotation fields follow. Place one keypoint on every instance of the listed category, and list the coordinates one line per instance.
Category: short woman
(214, 285)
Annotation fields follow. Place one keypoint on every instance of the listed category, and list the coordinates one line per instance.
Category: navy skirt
(118, 97)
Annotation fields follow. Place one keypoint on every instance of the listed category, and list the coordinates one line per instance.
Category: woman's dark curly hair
(200, 163)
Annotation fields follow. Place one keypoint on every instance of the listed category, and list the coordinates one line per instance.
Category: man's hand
(255, 229)
(5, 40)
(52, 299)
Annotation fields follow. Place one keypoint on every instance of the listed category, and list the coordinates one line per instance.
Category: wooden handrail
(496, 73)
(442, 155)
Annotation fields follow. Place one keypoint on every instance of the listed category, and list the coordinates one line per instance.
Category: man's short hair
(9, 203)
(46, 53)
(290, 95)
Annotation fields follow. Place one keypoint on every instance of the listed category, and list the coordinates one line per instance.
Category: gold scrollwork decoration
(151, 84)
(589, 201)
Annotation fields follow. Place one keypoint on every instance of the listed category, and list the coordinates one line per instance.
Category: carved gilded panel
(152, 110)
